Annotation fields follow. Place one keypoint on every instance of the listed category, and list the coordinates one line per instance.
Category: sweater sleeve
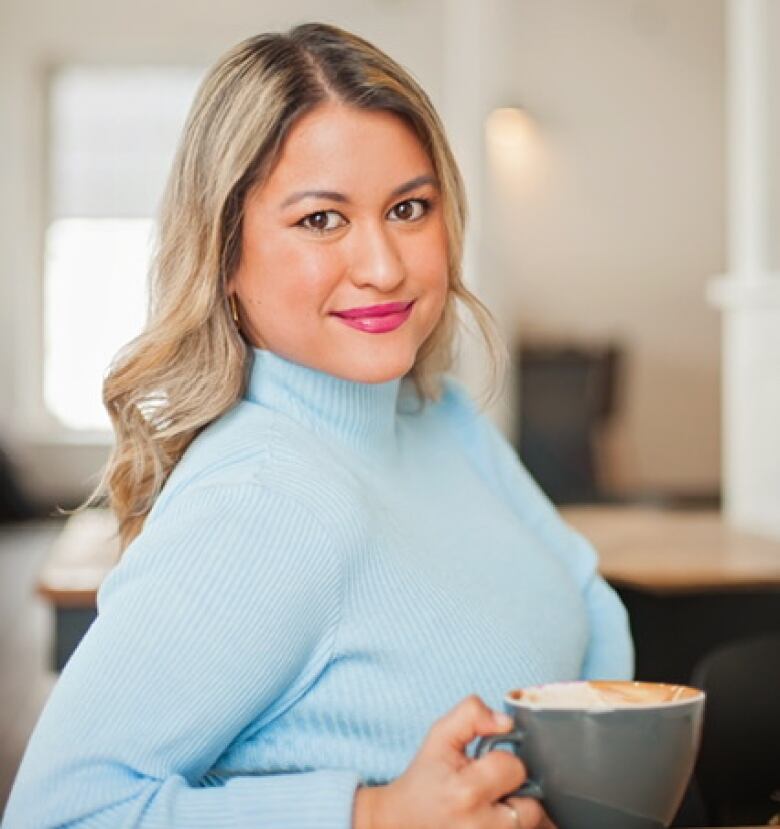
(221, 613)
(610, 652)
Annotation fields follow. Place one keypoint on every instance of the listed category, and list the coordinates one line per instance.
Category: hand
(443, 788)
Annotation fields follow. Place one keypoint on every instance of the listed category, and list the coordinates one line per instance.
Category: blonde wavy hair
(190, 363)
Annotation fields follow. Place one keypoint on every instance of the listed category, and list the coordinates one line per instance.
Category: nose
(377, 261)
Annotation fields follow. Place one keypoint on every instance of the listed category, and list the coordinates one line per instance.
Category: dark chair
(738, 770)
(567, 393)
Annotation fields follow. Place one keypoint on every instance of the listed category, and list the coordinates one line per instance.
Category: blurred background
(624, 193)
(598, 201)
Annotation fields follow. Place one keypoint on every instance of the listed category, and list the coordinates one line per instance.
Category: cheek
(430, 258)
(292, 273)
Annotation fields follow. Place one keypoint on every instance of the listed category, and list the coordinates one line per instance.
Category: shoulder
(483, 440)
(230, 532)
(458, 408)
(455, 403)
(251, 448)
(240, 555)
(455, 394)
(226, 452)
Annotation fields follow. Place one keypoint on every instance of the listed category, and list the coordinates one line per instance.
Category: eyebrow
(412, 184)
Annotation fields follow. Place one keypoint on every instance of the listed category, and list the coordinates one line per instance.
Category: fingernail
(502, 720)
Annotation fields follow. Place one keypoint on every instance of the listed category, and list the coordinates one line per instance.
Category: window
(113, 133)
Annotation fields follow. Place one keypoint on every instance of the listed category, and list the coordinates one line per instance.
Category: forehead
(339, 147)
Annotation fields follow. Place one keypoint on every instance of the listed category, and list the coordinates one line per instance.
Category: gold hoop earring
(233, 309)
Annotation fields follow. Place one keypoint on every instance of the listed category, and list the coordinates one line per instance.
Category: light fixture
(510, 127)
(516, 149)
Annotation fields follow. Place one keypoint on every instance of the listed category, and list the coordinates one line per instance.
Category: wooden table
(689, 581)
(80, 558)
(647, 553)
(647, 548)
(667, 551)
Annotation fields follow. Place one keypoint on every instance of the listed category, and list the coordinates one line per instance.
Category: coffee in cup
(605, 754)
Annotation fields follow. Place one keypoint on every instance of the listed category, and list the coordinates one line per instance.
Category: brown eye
(411, 210)
(320, 222)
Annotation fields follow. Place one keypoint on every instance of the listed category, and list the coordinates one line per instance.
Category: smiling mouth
(378, 324)
(375, 311)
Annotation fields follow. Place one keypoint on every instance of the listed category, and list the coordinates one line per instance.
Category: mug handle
(531, 788)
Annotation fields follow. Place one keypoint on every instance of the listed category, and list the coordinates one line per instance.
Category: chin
(379, 371)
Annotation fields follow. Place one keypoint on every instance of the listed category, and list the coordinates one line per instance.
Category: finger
(493, 776)
(470, 718)
(530, 813)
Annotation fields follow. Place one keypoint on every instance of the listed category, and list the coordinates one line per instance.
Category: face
(350, 217)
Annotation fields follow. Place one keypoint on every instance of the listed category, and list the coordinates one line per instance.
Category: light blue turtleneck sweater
(326, 572)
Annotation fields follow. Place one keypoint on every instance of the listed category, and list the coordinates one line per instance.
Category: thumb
(470, 718)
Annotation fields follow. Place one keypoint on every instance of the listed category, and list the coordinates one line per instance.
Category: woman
(335, 565)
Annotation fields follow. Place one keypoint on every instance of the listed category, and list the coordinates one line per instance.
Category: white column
(749, 294)
(748, 105)
(474, 82)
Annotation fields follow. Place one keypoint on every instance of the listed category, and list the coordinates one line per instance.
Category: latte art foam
(601, 695)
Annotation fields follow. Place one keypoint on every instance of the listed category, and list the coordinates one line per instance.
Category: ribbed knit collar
(362, 415)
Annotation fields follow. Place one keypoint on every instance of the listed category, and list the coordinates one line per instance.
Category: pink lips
(375, 310)
(377, 319)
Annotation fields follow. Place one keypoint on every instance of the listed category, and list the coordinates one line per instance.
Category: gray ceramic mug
(605, 755)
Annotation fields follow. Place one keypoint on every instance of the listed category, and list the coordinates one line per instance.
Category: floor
(26, 625)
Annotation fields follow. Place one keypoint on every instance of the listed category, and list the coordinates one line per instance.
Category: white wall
(35, 34)
(773, 162)
(619, 222)
(614, 231)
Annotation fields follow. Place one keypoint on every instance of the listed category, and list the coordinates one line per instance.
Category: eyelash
(425, 203)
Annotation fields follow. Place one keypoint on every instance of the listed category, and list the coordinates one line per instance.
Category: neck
(360, 415)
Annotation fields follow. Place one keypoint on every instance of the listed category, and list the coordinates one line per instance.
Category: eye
(411, 210)
(321, 221)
